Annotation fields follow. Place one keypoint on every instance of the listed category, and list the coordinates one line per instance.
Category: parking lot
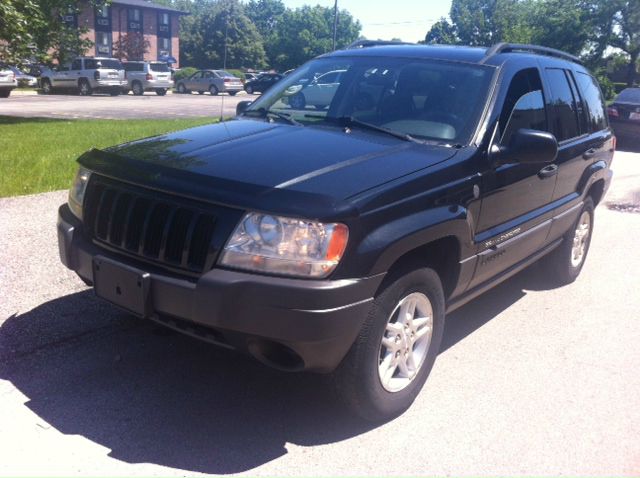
(121, 107)
(532, 380)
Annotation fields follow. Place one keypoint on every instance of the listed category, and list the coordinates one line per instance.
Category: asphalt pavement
(532, 379)
(150, 106)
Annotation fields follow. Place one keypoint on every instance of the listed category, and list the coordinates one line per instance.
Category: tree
(131, 46)
(221, 24)
(307, 32)
(34, 29)
(442, 32)
(625, 34)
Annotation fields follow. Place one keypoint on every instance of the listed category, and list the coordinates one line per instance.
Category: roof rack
(519, 47)
(370, 43)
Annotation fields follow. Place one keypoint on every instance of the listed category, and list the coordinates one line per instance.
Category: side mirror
(528, 146)
(242, 106)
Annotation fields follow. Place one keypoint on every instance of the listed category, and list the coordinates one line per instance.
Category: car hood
(290, 168)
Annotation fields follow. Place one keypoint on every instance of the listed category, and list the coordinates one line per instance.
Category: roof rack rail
(520, 47)
(370, 43)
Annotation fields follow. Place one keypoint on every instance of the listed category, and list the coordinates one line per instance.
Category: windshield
(630, 95)
(159, 67)
(422, 99)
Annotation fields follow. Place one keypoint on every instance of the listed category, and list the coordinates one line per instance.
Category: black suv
(335, 238)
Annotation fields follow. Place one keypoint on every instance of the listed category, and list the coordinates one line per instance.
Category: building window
(103, 43)
(70, 19)
(103, 19)
(164, 25)
(135, 20)
(164, 47)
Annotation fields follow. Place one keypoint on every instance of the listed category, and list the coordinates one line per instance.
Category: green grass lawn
(38, 154)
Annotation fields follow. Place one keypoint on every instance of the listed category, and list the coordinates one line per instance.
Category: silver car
(144, 76)
(213, 81)
(86, 75)
(7, 81)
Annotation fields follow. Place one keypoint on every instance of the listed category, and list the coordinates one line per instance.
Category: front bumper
(291, 324)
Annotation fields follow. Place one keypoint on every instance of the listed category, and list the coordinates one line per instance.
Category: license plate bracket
(122, 285)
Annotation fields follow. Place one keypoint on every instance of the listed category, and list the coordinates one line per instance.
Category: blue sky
(408, 20)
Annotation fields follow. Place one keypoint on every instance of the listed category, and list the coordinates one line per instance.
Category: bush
(184, 73)
(618, 87)
(238, 73)
(605, 84)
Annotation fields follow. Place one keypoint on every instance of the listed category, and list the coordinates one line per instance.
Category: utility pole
(335, 24)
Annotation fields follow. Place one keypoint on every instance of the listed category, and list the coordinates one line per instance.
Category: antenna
(224, 60)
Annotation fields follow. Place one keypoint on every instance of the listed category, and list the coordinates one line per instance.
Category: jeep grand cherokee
(335, 237)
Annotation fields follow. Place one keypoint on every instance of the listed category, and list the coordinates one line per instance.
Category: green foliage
(184, 73)
(34, 30)
(236, 72)
(587, 28)
(218, 24)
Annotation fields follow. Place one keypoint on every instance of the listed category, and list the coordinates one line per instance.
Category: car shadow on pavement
(154, 396)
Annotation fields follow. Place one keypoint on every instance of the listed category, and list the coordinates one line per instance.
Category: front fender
(394, 239)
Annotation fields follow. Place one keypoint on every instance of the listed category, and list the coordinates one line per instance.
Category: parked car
(262, 83)
(624, 115)
(213, 81)
(336, 241)
(86, 75)
(319, 92)
(144, 76)
(251, 76)
(8, 80)
(24, 80)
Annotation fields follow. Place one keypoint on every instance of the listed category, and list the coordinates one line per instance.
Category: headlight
(282, 245)
(76, 193)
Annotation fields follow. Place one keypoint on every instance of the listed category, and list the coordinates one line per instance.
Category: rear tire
(567, 260)
(233, 93)
(389, 362)
(84, 88)
(115, 92)
(182, 89)
(5, 93)
(249, 90)
(137, 88)
(161, 91)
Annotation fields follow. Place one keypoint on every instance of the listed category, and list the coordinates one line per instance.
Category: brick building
(107, 25)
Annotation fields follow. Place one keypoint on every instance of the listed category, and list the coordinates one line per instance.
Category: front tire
(5, 93)
(182, 89)
(298, 101)
(233, 93)
(566, 262)
(46, 87)
(249, 90)
(161, 91)
(392, 357)
(213, 90)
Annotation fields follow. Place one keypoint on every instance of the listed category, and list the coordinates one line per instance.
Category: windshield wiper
(262, 113)
(348, 121)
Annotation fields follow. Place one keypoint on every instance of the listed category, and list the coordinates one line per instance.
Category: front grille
(154, 227)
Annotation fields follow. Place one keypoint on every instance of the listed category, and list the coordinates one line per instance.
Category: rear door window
(77, 65)
(563, 104)
(595, 103)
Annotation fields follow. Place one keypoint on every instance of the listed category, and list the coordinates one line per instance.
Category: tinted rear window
(631, 95)
(224, 73)
(565, 125)
(160, 67)
(104, 64)
(594, 100)
(133, 66)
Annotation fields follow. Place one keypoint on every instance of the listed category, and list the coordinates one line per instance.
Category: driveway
(121, 107)
(532, 380)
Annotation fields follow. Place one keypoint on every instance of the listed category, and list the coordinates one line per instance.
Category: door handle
(590, 153)
(548, 171)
